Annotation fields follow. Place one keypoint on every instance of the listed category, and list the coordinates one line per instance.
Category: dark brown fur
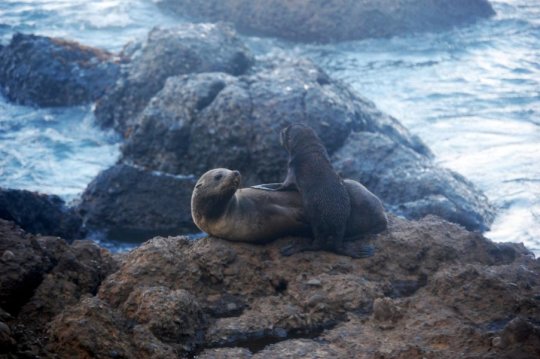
(325, 199)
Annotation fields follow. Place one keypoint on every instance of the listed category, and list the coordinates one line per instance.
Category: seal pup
(326, 201)
(220, 208)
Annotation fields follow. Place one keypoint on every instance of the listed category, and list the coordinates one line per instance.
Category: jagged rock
(78, 270)
(472, 298)
(45, 71)
(130, 202)
(335, 20)
(384, 310)
(90, 330)
(187, 48)
(39, 278)
(411, 184)
(203, 121)
(23, 263)
(465, 283)
(226, 353)
(6, 340)
(40, 213)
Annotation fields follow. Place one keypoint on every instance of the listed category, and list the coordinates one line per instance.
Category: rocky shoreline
(432, 290)
(194, 97)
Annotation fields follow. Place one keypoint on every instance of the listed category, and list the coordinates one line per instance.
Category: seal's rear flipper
(354, 249)
(298, 245)
(357, 250)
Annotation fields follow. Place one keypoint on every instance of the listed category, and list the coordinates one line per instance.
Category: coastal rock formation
(187, 48)
(40, 213)
(192, 98)
(334, 20)
(130, 202)
(208, 120)
(411, 184)
(463, 294)
(39, 278)
(45, 71)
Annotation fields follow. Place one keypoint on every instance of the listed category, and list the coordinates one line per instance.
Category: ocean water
(472, 94)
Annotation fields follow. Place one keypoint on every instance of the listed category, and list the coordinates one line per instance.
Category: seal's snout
(236, 174)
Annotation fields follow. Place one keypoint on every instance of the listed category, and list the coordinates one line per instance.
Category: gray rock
(335, 20)
(23, 269)
(132, 204)
(188, 48)
(203, 121)
(40, 213)
(44, 71)
(409, 183)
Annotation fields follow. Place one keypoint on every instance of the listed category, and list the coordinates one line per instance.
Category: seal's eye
(218, 177)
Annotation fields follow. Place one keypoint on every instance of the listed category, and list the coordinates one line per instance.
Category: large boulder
(183, 49)
(129, 202)
(203, 121)
(40, 213)
(411, 184)
(45, 71)
(463, 294)
(334, 20)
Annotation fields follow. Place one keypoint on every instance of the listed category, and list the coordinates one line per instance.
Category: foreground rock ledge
(463, 295)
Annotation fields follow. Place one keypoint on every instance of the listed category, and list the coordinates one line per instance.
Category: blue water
(472, 94)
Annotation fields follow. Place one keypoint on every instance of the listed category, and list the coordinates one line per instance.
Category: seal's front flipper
(356, 250)
(275, 187)
(268, 186)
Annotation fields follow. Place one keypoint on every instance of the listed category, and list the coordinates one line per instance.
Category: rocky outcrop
(208, 120)
(463, 294)
(335, 20)
(44, 71)
(411, 184)
(193, 98)
(40, 213)
(131, 203)
(188, 48)
(39, 278)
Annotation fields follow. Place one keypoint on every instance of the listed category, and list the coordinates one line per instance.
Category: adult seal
(222, 209)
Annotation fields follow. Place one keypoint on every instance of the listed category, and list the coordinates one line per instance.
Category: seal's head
(297, 136)
(219, 182)
(213, 191)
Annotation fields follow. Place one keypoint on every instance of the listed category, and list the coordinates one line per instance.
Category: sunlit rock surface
(334, 20)
(462, 294)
